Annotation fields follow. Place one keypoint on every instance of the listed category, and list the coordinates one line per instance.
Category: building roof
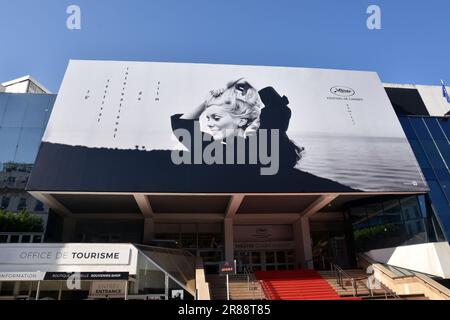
(26, 78)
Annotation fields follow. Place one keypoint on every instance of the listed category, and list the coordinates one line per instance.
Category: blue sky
(413, 45)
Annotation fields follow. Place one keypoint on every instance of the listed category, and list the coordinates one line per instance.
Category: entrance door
(265, 260)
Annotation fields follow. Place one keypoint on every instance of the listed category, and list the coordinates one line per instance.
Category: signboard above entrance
(194, 128)
(65, 256)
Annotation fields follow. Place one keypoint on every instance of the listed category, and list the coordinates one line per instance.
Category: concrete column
(68, 234)
(298, 239)
(307, 245)
(16, 290)
(229, 239)
(149, 230)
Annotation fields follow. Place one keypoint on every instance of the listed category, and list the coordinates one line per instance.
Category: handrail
(435, 285)
(387, 270)
(340, 274)
(247, 274)
(253, 282)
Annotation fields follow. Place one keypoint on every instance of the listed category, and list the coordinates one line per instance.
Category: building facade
(23, 119)
(351, 165)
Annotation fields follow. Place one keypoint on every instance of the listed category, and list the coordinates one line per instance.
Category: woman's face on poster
(221, 123)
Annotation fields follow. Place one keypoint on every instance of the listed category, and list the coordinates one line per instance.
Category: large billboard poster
(189, 128)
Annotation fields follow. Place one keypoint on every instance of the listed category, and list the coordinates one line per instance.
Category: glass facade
(429, 138)
(23, 119)
(387, 222)
(201, 239)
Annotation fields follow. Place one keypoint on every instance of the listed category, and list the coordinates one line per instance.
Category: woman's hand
(217, 93)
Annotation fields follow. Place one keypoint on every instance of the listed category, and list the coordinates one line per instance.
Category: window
(14, 239)
(22, 204)
(37, 239)
(392, 211)
(5, 203)
(39, 206)
(411, 209)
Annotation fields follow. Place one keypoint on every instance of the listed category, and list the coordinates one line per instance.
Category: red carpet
(297, 285)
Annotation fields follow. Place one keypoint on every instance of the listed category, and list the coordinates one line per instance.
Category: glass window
(39, 206)
(410, 208)
(37, 239)
(255, 257)
(22, 204)
(15, 111)
(5, 203)
(281, 257)
(439, 137)
(375, 214)
(9, 140)
(14, 239)
(3, 102)
(358, 217)
(270, 257)
(36, 113)
(26, 238)
(445, 125)
(3, 238)
(392, 211)
(28, 145)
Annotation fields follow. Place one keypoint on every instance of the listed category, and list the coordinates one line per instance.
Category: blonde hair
(241, 100)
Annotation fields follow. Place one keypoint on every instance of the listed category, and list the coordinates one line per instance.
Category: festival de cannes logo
(342, 91)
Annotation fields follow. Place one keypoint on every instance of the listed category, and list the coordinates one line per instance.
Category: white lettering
(374, 20)
(74, 20)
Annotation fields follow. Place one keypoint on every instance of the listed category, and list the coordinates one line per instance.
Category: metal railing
(255, 285)
(395, 272)
(341, 275)
(21, 237)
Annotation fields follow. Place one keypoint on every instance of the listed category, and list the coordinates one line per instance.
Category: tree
(20, 222)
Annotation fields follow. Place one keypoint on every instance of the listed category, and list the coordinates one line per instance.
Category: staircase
(301, 284)
(240, 288)
(362, 291)
(346, 289)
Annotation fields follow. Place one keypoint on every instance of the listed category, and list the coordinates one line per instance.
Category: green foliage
(20, 222)
(377, 236)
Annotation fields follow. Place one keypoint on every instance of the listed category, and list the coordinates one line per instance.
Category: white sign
(64, 256)
(109, 288)
(22, 276)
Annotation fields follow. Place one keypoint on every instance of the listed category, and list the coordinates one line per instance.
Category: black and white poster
(187, 128)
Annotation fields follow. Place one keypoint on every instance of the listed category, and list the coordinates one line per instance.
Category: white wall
(20, 87)
(429, 258)
(433, 98)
